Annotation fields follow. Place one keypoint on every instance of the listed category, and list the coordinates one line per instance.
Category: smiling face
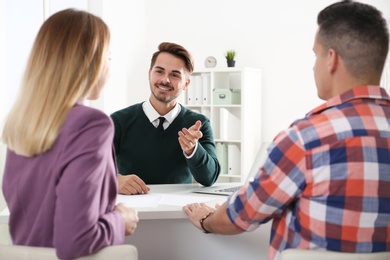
(167, 78)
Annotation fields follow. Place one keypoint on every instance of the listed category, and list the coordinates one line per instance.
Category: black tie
(160, 124)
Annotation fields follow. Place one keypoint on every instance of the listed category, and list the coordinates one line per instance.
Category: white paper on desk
(150, 200)
(182, 200)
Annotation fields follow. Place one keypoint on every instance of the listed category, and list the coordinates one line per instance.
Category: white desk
(165, 233)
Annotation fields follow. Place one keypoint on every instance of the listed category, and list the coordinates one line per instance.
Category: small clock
(210, 62)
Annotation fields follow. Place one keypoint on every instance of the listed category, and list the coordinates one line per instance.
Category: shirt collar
(153, 115)
(370, 92)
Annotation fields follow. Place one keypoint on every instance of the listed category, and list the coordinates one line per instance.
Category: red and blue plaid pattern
(326, 181)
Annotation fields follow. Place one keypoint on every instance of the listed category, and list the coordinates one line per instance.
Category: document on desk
(152, 200)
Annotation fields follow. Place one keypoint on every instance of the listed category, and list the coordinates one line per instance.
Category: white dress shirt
(153, 115)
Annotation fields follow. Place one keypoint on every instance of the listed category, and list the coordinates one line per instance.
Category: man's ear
(188, 81)
(333, 60)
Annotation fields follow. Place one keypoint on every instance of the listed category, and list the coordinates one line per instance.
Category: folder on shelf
(191, 91)
(206, 82)
(222, 155)
(198, 89)
(206, 112)
(230, 125)
(234, 159)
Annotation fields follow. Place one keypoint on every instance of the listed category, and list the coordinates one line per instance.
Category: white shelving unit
(231, 99)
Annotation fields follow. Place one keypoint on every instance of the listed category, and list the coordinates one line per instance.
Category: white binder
(222, 155)
(191, 91)
(198, 89)
(229, 125)
(206, 78)
(234, 159)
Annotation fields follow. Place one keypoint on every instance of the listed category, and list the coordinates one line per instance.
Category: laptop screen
(227, 189)
(259, 161)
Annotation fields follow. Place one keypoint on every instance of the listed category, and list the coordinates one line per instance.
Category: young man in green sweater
(177, 150)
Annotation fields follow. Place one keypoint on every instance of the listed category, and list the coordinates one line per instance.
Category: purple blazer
(64, 198)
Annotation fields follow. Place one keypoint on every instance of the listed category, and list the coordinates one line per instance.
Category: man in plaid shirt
(326, 180)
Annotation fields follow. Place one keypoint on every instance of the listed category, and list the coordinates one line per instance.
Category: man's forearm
(219, 223)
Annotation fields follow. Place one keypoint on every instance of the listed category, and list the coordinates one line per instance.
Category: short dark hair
(177, 51)
(358, 33)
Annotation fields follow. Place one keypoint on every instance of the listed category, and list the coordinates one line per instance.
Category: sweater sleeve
(84, 219)
(117, 129)
(204, 164)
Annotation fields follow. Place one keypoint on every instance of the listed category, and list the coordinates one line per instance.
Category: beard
(164, 97)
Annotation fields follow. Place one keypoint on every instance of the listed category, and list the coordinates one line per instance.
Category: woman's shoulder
(81, 116)
(85, 129)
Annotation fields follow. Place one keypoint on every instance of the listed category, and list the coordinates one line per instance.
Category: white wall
(21, 25)
(276, 36)
(126, 20)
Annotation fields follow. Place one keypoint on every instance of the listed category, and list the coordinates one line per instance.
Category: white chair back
(300, 254)
(119, 252)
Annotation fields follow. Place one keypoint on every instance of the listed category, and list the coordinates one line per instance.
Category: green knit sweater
(156, 157)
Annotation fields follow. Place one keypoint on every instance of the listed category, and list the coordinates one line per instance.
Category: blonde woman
(60, 174)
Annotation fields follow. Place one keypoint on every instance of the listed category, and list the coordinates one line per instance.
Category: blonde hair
(64, 66)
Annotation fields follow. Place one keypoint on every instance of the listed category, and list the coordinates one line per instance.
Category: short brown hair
(177, 51)
(358, 33)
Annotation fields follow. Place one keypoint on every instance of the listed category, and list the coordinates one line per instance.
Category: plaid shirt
(326, 180)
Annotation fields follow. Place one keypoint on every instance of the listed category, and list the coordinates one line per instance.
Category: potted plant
(230, 58)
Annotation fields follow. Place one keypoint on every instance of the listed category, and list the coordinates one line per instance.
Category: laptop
(229, 188)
